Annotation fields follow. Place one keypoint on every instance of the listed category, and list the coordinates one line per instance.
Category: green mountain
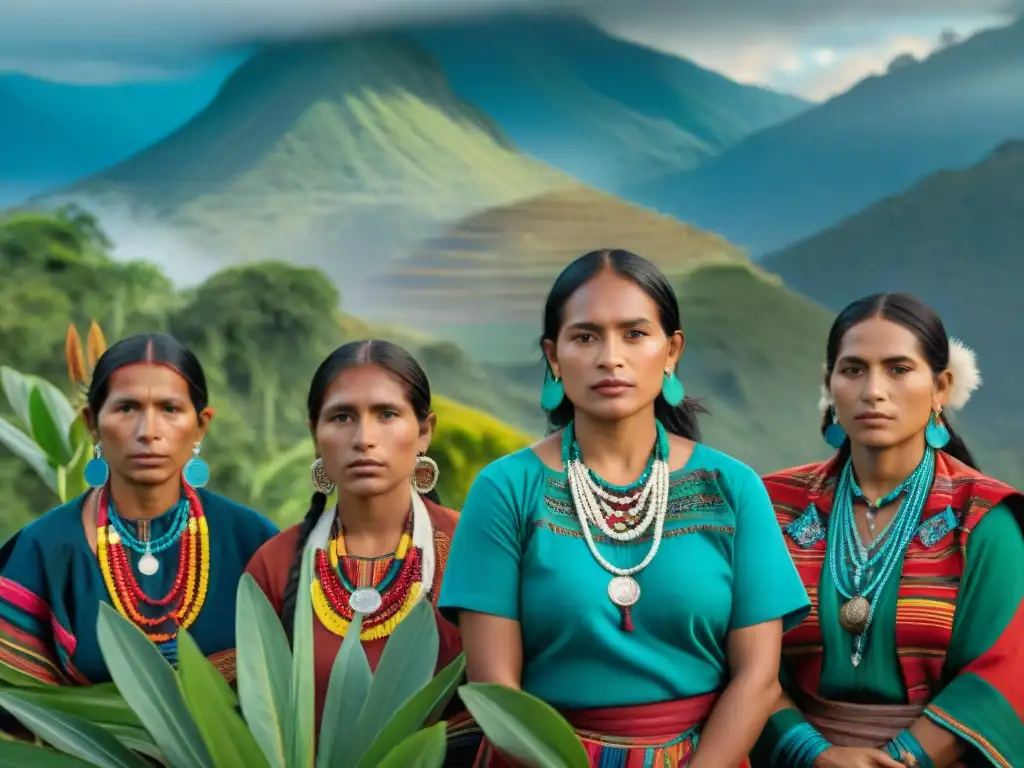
(482, 282)
(339, 154)
(954, 239)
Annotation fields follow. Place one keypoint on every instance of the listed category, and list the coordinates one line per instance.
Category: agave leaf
(72, 735)
(424, 749)
(17, 387)
(209, 698)
(346, 693)
(264, 672)
(101, 704)
(149, 685)
(303, 681)
(406, 665)
(25, 448)
(18, 754)
(414, 713)
(523, 727)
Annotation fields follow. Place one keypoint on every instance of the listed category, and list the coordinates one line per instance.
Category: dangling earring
(835, 435)
(424, 477)
(196, 472)
(936, 434)
(321, 482)
(552, 393)
(672, 389)
(97, 471)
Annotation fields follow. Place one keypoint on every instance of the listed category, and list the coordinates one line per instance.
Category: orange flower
(75, 359)
(96, 344)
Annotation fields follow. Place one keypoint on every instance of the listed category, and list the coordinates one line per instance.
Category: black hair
(918, 318)
(148, 348)
(396, 361)
(681, 419)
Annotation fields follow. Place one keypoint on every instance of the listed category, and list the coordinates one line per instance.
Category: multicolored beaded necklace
(858, 572)
(338, 596)
(185, 599)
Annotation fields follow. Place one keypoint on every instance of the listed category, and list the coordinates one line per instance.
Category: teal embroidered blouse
(519, 553)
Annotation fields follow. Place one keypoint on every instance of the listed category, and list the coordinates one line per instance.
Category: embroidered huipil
(947, 631)
(51, 586)
(519, 553)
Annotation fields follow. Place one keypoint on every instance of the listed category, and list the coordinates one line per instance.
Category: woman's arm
(750, 697)
(494, 649)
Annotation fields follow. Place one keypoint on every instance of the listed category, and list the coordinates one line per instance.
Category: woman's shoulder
(280, 547)
(58, 523)
(235, 515)
(726, 468)
(513, 468)
(442, 518)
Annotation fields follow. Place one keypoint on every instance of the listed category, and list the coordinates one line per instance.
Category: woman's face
(611, 352)
(148, 425)
(882, 386)
(368, 434)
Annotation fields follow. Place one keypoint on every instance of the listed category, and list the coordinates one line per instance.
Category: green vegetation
(954, 240)
(190, 718)
(258, 344)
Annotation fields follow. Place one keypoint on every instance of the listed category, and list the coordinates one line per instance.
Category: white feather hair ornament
(963, 364)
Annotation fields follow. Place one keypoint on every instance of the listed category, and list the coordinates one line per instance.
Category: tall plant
(190, 718)
(50, 433)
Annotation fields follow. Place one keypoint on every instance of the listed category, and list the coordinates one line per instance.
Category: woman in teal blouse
(655, 628)
(147, 538)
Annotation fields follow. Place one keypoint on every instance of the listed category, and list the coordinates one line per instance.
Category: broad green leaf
(280, 461)
(149, 685)
(102, 703)
(303, 681)
(81, 444)
(425, 749)
(524, 727)
(137, 739)
(264, 672)
(346, 693)
(72, 735)
(20, 754)
(60, 408)
(406, 665)
(24, 447)
(45, 431)
(209, 699)
(17, 388)
(415, 712)
(9, 676)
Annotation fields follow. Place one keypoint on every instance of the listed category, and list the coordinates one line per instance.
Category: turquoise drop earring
(936, 434)
(552, 393)
(672, 389)
(196, 472)
(835, 435)
(97, 471)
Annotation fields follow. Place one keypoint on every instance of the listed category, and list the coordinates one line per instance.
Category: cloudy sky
(814, 48)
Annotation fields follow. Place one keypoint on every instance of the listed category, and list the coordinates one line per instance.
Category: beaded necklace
(621, 513)
(187, 595)
(860, 584)
(148, 564)
(336, 599)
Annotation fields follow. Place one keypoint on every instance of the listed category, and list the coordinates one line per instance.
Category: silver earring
(321, 482)
(424, 477)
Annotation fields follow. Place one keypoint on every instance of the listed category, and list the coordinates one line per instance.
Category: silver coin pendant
(624, 591)
(148, 565)
(366, 601)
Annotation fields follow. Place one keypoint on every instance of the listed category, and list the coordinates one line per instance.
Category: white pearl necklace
(588, 510)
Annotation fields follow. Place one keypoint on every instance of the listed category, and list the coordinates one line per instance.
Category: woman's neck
(373, 525)
(618, 451)
(880, 471)
(143, 502)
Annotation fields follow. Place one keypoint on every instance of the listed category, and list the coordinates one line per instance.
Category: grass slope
(483, 281)
(604, 109)
(954, 240)
(792, 180)
(341, 154)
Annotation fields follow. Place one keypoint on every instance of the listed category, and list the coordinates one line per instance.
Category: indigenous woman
(382, 548)
(622, 571)
(914, 560)
(147, 538)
